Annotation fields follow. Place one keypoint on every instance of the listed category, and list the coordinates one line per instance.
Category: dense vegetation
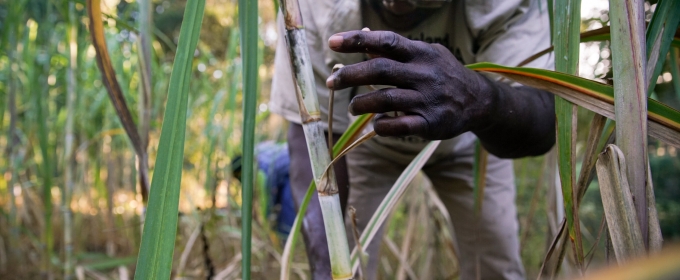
(65, 153)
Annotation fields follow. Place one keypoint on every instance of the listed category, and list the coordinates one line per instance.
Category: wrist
(490, 101)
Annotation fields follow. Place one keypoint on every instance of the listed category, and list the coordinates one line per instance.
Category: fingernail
(330, 82)
(335, 41)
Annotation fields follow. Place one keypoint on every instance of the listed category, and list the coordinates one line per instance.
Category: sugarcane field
(339, 139)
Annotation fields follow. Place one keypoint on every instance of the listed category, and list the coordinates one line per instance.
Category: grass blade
(249, 35)
(160, 226)
(590, 156)
(248, 25)
(659, 36)
(566, 41)
(617, 200)
(391, 199)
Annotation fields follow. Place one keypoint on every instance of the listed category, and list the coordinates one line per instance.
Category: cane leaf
(660, 33)
(249, 50)
(160, 226)
(566, 41)
(391, 199)
(664, 121)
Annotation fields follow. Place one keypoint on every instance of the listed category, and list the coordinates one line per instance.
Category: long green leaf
(160, 226)
(664, 122)
(248, 23)
(391, 199)
(566, 41)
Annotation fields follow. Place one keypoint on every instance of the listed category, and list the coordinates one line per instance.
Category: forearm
(521, 122)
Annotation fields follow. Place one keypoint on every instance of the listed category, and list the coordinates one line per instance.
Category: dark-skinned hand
(439, 97)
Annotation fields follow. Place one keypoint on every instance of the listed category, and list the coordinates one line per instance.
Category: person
(417, 49)
(272, 167)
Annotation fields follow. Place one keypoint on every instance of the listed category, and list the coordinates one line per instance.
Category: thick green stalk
(352, 132)
(248, 24)
(628, 46)
(566, 41)
(71, 87)
(316, 143)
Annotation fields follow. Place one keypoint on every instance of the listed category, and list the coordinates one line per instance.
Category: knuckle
(387, 98)
(382, 67)
(438, 47)
(388, 40)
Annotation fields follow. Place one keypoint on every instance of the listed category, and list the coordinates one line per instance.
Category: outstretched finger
(400, 126)
(381, 43)
(387, 100)
(378, 71)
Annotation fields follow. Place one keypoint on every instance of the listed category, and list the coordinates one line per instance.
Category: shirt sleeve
(507, 32)
(282, 100)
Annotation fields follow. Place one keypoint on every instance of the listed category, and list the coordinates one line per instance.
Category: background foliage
(106, 203)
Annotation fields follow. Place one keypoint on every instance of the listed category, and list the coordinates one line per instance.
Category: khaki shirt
(500, 31)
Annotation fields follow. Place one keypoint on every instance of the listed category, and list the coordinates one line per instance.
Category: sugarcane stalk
(310, 116)
(630, 99)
